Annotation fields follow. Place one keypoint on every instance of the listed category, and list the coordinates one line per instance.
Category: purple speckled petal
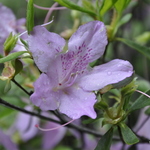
(89, 40)
(44, 46)
(44, 96)
(7, 142)
(25, 124)
(86, 45)
(103, 75)
(75, 103)
(52, 138)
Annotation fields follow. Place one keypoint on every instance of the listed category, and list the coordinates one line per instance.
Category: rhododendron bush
(74, 75)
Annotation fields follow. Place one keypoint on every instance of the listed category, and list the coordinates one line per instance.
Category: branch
(82, 129)
(13, 80)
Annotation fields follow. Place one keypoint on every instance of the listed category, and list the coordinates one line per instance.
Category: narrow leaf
(141, 102)
(69, 4)
(12, 56)
(30, 16)
(121, 5)
(147, 112)
(7, 86)
(18, 66)
(124, 19)
(106, 6)
(128, 136)
(105, 142)
(142, 49)
(10, 43)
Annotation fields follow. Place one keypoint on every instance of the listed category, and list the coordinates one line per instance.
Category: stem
(13, 80)
(120, 106)
(6, 104)
(79, 128)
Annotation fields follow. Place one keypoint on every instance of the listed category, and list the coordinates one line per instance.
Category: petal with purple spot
(44, 46)
(86, 45)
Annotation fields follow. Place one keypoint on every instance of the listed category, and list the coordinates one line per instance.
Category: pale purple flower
(52, 138)
(67, 82)
(9, 24)
(144, 131)
(6, 142)
(25, 124)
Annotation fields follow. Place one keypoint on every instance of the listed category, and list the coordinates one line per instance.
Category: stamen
(49, 13)
(72, 79)
(47, 8)
(37, 126)
(143, 93)
(45, 24)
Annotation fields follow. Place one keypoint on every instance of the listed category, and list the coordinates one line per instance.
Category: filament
(37, 126)
(143, 93)
(47, 8)
(45, 24)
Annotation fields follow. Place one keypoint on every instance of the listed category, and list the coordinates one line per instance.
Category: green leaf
(107, 4)
(10, 42)
(101, 105)
(142, 49)
(123, 83)
(30, 16)
(121, 5)
(25, 44)
(71, 5)
(141, 102)
(87, 4)
(124, 20)
(7, 86)
(128, 136)
(12, 56)
(5, 112)
(18, 66)
(105, 142)
(147, 112)
(144, 38)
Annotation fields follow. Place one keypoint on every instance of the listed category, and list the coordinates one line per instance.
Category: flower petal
(25, 124)
(109, 73)
(44, 96)
(44, 46)
(89, 39)
(7, 142)
(86, 45)
(75, 103)
(52, 138)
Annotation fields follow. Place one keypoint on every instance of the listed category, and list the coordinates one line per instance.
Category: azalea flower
(9, 24)
(25, 124)
(52, 138)
(67, 82)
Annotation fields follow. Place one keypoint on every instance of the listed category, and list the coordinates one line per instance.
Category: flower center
(66, 82)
